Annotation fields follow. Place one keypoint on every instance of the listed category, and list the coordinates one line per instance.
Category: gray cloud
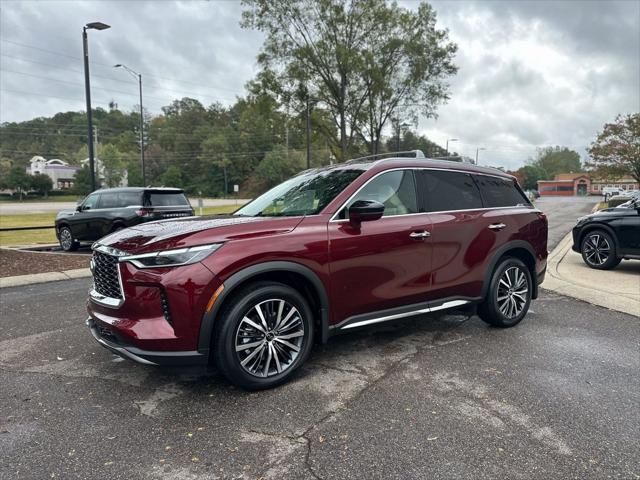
(532, 73)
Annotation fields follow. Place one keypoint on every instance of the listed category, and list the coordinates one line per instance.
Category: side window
(129, 199)
(109, 200)
(499, 192)
(444, 191)
(396, 190)
(91, 202)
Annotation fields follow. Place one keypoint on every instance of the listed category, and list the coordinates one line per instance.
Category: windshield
(306, 194)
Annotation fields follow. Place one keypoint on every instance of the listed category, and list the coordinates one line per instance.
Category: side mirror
(365, 211)
(79, 207)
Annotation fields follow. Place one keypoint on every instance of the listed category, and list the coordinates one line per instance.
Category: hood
(193, 231)
(612, 212)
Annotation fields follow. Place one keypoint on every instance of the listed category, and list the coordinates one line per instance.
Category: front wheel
(599, 250)
(67, 242)
(265, 333)
(509, 295)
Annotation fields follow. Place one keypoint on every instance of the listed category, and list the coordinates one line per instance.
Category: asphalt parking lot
(447, 397)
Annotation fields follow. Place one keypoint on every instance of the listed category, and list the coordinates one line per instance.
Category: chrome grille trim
(107, 289)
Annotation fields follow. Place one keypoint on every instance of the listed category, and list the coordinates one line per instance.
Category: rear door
(460, 240)
(384, 263)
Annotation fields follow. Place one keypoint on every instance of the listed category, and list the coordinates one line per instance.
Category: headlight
(582, 220)
(171, 258)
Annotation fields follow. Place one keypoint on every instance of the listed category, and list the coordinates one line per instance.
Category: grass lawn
(55, 198)
(28, 237)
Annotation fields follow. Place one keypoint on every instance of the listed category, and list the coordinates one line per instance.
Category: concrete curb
(615, 290)
(21, 280)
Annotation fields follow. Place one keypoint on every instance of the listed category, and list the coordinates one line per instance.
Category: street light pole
(477, 150)
(308, 134)
(450, 140)
(139, 77)
(87, 92)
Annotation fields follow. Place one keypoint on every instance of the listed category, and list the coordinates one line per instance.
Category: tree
(42, 184)
(554, 160)
(359, 71)
(406, 63)
(531, 174)
(113, 166)
(82, 181)
(172, 177)
(616, 150)
(18, 180)
(279, 165)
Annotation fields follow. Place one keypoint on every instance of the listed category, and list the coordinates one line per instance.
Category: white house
(59, 171)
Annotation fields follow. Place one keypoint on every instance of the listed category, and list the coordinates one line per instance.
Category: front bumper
(575, 233)
(109, 340)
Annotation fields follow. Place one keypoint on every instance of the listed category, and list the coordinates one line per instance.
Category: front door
(384, 263)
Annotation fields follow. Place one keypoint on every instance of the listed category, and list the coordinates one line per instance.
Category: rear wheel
(509, 295)
(265, 333)
(67, 242)
(599, 250)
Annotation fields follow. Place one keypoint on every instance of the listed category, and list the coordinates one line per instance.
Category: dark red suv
(325, 252)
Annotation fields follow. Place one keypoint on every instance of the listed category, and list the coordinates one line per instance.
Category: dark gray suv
(105, 211)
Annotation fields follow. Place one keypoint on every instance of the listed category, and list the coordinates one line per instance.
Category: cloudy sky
(531, 73)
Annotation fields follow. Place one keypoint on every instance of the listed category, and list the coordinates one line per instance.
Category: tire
(237, 350)
(509, 294)
(598, 249)
(67, 242)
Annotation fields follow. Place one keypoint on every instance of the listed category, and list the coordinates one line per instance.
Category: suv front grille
(106, 279)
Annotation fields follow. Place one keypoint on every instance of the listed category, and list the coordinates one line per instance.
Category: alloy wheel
(597, 249)
(269, 338)
(513, 291)
(65, 239)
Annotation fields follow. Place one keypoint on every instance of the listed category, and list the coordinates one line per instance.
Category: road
(7, 208)
(447, 397)
(562, 213)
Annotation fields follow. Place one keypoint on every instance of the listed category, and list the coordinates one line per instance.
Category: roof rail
(416, 154)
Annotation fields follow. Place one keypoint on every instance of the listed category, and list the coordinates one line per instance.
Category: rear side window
(444, 191)
(167, 199)
(129, 199)
(499, 192)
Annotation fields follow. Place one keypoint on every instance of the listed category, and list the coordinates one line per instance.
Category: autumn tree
(361, 59)
(616, 150)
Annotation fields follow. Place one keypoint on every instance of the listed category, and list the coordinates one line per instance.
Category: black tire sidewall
(224, 342)
(496, 316)
(612, 261)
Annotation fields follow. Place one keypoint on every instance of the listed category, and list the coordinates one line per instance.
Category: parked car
(607, 237)
(108, 210)
(325, 252)
(608, 192)
(633, 196)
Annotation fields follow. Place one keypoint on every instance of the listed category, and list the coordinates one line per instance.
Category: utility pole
(87, 91)
(477, 150)
(141, 128)
(308, 134)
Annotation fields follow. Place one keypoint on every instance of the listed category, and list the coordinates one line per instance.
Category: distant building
(59, 171)
(570, 184)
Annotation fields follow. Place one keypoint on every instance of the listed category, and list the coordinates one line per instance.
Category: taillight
(144, 212)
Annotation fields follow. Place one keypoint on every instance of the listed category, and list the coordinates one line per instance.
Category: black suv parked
(105, 211)
(606, 237)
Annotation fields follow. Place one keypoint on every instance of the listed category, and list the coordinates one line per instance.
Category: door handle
(497, 226)
(420, 234)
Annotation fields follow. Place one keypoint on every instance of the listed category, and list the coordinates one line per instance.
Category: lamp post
(450, 140)
(477, 150)
(87, 91)
(139, 77)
